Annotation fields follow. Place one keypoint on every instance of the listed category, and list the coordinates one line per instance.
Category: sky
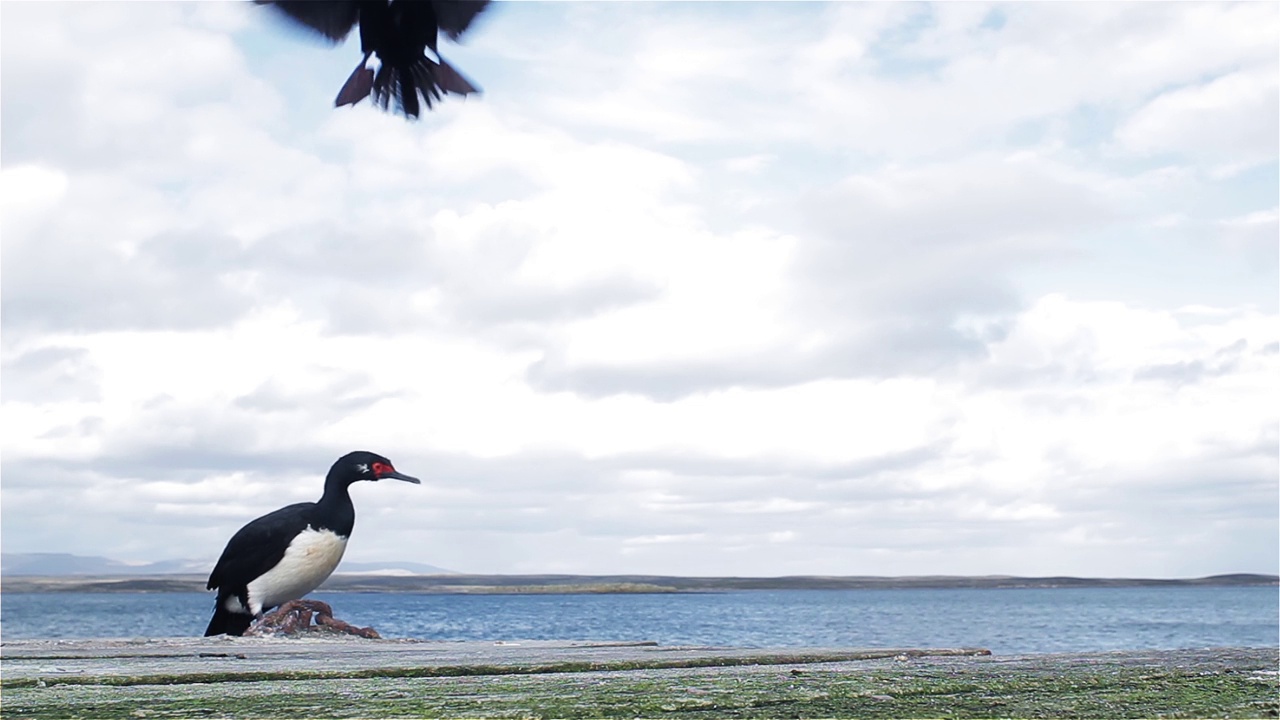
(690, 289)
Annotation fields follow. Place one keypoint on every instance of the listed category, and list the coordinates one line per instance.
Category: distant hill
(391, 568)
(50, 572)
(54, 564)
(664, 583)
(62, 564)
(573, 584)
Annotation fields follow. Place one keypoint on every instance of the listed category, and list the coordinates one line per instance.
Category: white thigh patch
(310, 559)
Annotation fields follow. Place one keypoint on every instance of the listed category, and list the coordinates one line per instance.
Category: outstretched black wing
(332, 18)
(455, 16)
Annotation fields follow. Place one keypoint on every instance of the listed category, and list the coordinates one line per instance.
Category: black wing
(335, 18)
(332, 18)
(258, 546)
(455, 16)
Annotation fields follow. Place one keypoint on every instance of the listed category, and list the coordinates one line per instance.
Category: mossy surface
(1225, 683)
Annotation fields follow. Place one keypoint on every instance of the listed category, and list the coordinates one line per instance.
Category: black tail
(225, 622)
(423, 78)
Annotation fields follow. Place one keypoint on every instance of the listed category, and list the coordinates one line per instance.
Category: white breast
(310, 559)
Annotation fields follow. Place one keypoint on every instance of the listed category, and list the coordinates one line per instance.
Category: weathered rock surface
(319, 676)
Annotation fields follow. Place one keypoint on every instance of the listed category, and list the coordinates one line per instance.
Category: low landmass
(529, 584)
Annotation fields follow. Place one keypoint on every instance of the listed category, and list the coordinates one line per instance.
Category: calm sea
(1005, 620)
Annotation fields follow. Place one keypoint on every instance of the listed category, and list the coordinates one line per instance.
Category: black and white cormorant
(399, 32)
(286, 554)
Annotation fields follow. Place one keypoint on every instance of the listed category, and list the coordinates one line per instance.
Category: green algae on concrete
(1194, 683)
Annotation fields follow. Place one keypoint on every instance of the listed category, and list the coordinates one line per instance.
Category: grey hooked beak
(400, 476)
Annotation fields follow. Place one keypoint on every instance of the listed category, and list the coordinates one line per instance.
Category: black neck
(335, 510)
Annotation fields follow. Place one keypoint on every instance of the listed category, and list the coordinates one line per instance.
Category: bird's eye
(381, 468)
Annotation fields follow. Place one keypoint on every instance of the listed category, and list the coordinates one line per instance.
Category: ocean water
(1006, 621)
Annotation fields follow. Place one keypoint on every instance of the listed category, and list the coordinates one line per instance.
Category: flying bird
(398, 32)
(286, 554)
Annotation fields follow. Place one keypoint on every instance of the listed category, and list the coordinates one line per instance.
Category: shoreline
(612, 584)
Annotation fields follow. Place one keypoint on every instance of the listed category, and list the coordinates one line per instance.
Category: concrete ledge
(320, 676)
(174, 661)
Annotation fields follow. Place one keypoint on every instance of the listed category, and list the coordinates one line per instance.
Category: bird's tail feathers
(225, 622)
(425, 78)
(452, 81)
(357, 86)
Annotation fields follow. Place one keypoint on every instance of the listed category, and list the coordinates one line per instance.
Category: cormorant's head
(364, 465)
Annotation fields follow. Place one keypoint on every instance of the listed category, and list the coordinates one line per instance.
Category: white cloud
(30, 188)
(757, 289)
(1254, 232)
(1231, 118)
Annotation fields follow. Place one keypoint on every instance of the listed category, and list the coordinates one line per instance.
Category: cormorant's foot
(294, 618)
(288, 619)
(333, 624)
